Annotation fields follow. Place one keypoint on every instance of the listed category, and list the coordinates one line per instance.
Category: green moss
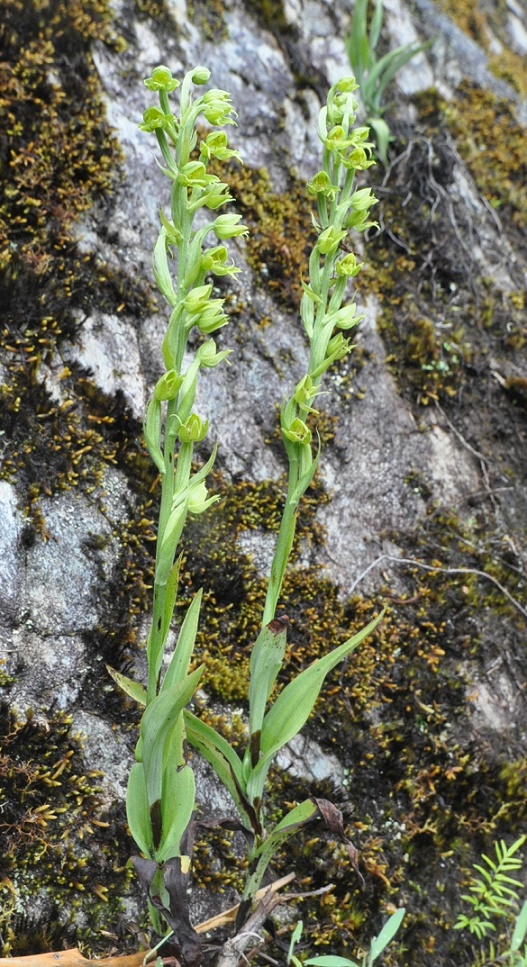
(209, 17)
(57, 839)
(271, 14)
(482, 20)
(492, 144)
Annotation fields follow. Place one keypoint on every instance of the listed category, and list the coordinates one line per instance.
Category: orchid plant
(161, 788)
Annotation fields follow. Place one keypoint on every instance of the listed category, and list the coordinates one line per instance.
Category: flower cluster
(325, 315)
(160, 797)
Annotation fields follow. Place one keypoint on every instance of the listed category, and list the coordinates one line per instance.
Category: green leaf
(178, 667)
(134, 689)
(294, 705)
(387, 934)
(266, 661)
(387, 67)
(520, 928)
(177, 806)
(225, 762)
(357, 42)
(287, 827)
(137, 809)
(158, 722)
(305, 480)
(331, 960)
(376, 25)
(161, 270)
(382, 137)
(171, 535)
(170, 596)
(152, 433)
(295, 937)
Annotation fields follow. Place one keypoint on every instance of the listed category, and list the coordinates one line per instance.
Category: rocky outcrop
(422, 500)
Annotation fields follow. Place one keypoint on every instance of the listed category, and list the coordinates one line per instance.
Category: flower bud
(198, 298)
(226, 226)
(152, 433)
(200, 75)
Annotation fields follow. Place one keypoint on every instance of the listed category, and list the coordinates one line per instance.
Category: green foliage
(495, 898)
(374, 75)
(377, 946)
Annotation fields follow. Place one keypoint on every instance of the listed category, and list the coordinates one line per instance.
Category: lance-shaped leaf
(161, 270)
(137, 810)
(170, 597)
(266, 661)
(225, 762)
(287, 827)
(172, 533)
(180, 660)
(177, 806)
(520, 928)
(387, 934)
(158, 722)
(305, 479)
(152, 433)
(134, 689)
(294, 705)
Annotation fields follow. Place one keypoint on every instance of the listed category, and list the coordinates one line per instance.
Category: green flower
(362, 199)
(215, 260)
(154, 119)
(216, 145)
(297, 432)
(207, 355)
(348, 266)
(161, 80)
(198, 501)
(194, 430)
(167, 387)
(194, 175)
(198, 298)
(345, 318)
(321, 185)
(329, 240)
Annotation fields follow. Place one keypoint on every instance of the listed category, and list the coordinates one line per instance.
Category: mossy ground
(425, 794)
